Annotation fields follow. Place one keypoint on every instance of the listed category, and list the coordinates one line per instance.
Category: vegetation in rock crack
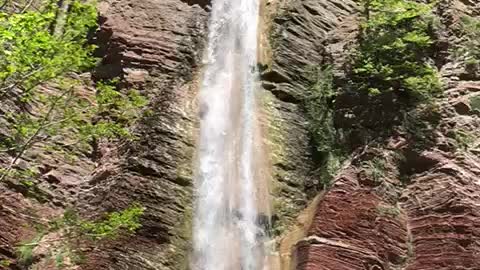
(388, 211)
(395, 43)
(319, 111)
(318, 108)
(420, 124)
(389, 67)
(66, 235)
(375, 169)
(464, 140)
(5, 263)
(468, 49)
(475, 103)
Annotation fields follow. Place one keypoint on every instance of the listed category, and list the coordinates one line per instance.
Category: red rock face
(436, 224)
(444, 215)
(165, 36)
(17, 214)
(157, 45)
(354, 228)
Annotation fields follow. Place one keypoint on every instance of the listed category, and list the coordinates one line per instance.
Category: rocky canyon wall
(154, 46)
(422, 212)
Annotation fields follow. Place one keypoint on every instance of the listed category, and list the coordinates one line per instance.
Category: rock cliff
(154, 46)
(421, 211)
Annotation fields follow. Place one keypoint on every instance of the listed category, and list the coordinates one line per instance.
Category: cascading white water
(227, 231)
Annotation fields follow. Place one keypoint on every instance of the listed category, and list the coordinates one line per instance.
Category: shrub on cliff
(320, 114)
(395, 43)
(72, 233)
(43, 46)
(42, 50)
(30, 53)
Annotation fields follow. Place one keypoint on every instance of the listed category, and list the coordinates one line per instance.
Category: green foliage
(5, 263)
(31, 54)
(118, 110)
(127, 220)
(59, 260)
(420, 124)
(475, 103)
(331, 165)
(469, 48)
(69, 112)
(112, 226)
(410, 247)
(25, 250)
(24, 175)
(319, 112)
(375, 169)
(396, 39)
(73, 230)
(464, 140)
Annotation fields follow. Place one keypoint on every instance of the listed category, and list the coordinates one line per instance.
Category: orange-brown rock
(443, 211)
(435, 224)
(354, 228)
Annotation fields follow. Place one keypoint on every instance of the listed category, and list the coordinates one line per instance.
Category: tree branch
(27, 6)
(43, 125)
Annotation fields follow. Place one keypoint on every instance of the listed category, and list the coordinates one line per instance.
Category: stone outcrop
(51, 181)
(428, 221)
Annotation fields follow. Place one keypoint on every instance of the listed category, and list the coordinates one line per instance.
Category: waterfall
(231, 191)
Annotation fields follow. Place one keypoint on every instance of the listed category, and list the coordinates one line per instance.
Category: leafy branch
(395, 43)
(108, 118)
(74, 230)
(44, 123)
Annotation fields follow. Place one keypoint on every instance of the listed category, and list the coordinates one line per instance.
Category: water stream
(231, 193)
